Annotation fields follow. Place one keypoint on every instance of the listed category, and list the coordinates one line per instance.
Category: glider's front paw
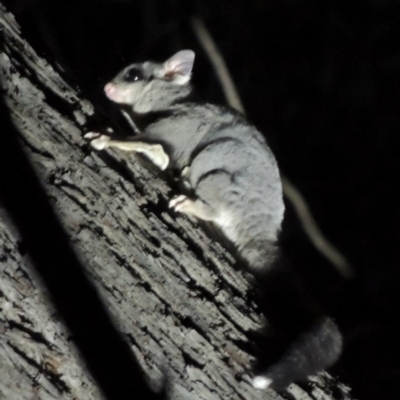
(98, 141)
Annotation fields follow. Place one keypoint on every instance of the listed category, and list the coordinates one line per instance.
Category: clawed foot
(197, 208)
(98, 141)
(182, 204)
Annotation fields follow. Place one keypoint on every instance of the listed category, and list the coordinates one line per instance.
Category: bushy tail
(312, 352)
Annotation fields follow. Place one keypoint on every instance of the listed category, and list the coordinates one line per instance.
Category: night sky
(321, 80)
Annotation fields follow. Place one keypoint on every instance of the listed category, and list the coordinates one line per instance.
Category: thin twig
(290, 191)
(313, 232)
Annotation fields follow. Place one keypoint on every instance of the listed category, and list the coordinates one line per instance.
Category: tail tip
(261, 382)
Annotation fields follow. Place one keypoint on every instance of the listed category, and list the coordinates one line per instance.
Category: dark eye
(133, 75)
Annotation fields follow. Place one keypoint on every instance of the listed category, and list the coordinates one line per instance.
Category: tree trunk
(171, 291)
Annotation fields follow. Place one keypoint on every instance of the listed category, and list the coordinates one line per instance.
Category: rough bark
(171, 291)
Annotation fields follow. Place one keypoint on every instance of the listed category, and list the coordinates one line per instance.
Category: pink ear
(180, 63)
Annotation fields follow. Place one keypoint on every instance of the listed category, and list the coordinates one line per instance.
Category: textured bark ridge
(171, 291)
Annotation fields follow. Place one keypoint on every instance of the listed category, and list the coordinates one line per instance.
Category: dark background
(321, 80)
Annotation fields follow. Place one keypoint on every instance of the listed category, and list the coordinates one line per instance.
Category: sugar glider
(233, 181)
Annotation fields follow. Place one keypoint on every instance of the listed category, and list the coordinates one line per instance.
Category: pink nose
(109, 88)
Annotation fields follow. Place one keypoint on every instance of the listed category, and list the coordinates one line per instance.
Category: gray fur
(231, 168)
(231, 175)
